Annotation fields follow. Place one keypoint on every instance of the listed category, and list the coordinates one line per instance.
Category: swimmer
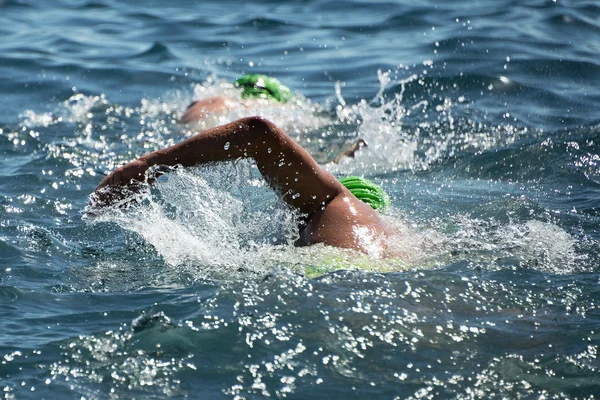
(253, 86)
(331, 213)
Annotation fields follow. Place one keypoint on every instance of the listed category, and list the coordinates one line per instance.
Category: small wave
(143, 367)
(576, 23)
(264, 23)
(92, 5)
(159, 52)
(14, 3)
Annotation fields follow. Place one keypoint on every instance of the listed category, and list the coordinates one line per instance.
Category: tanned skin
(201, 109)
(333, 215)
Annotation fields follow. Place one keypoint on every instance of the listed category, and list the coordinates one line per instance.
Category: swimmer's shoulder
(347, 222)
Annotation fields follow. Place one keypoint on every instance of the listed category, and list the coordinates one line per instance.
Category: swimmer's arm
(288, 168)
(351, 150)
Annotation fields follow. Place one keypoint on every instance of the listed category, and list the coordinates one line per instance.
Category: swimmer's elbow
(259, 123)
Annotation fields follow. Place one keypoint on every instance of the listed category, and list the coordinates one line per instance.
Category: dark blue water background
(482, 123)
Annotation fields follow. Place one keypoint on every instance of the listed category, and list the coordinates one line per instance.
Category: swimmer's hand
(118, 186)
(351, 150)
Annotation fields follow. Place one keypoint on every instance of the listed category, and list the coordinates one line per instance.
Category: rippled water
(481, 119)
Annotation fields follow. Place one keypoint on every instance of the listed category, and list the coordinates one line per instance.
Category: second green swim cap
(366, 191)
(263, 87)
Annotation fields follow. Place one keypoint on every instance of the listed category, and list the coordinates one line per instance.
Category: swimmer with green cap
(258, 87)
(253, 86)
(340, 214)
(263, 87)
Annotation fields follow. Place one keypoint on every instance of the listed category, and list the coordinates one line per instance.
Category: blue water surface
(482, 124)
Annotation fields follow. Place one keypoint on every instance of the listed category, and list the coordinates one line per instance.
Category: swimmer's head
(366, 191)
(263, 87)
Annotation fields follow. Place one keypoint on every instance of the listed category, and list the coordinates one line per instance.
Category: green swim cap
(263, 87)
(366, 191)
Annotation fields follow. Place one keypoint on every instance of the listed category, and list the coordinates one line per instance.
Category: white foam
(535, 244)
(79, 107)
(31, 119)
(542, 245)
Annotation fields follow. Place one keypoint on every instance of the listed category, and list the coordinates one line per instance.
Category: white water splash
(78, 108)
(390, 147)
(32, 119)
(540, 245)
(217, 219)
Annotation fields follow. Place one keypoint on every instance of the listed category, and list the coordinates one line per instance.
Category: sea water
(481, 119)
